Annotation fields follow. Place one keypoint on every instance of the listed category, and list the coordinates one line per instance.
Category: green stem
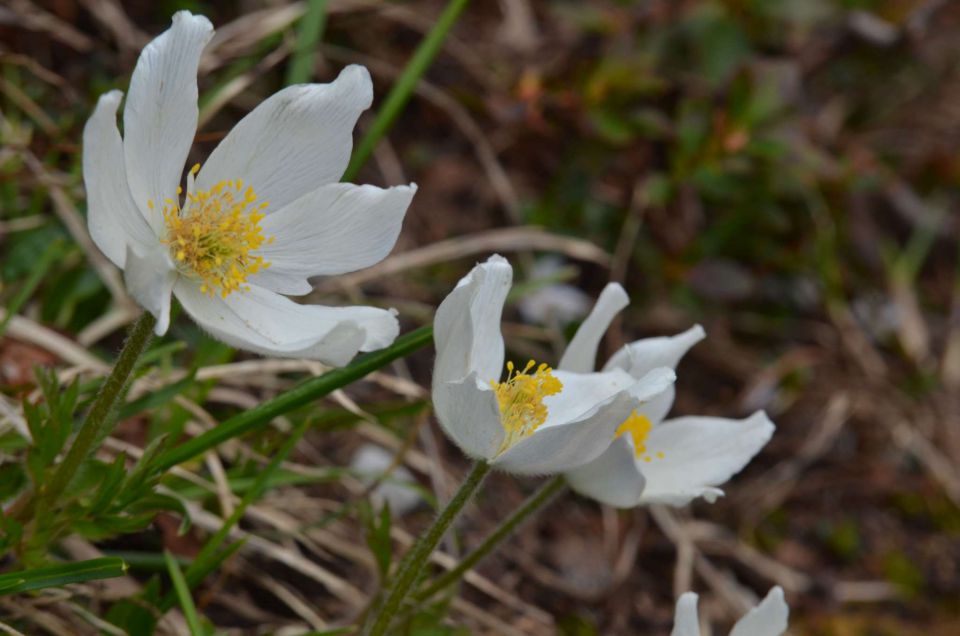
(544, 496)
(416, 559)
(403, 89)
(98, 422)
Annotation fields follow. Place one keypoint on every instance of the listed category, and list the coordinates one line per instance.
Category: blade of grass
(33, 281)
(183, 595)
(146, 561)
(303, 394)
(403, 89)
(260, 485)
(909, 262)
(59, 575)
(309, 33)
(205, 562)
(154, 399)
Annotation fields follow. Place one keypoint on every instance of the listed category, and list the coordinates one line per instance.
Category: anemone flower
(264, 213)
(653, 460)
(769, 618)
(534, 420)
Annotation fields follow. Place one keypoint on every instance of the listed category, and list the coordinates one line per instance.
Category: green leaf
(144, 475)
(183, 595)
(109, 485)
(12, 480)
(11, 532)
(59, 575)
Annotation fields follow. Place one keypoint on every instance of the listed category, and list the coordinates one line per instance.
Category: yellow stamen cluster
(213, 237)
(639, 427)
(521, 396)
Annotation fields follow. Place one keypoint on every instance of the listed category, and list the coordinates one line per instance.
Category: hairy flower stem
(413, 563)
(543, 497)
(98, 422)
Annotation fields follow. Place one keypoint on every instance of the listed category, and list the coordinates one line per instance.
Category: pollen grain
(214, 236)
(520, 397)
(639, 427)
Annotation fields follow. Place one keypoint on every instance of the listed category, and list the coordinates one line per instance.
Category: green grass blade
(154, 399)
(195, 576)
(309, 33)
(259, 486)
(403, 89)
(33, 281)
(307, 392)
(210, 555)
(139, 561)
(59, 575)
(183, 595)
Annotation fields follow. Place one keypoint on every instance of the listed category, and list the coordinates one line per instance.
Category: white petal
(657, 407)
(582, 393)
(334, 229)
(685, 621)
(648, 353)
(581, 354)
(112, 216)
(655, 391)
(561, 448)
(470, 416)
(612, 478)
(579, 426)
(640, 356)
(160, 117)
(651, 385)
(264, 322)
(294, 141)
(699, 453)
(150, 279)
(769, 618)
(466, 327)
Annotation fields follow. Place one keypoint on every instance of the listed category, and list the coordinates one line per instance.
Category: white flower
(265, 213)
(554, 303)
(652, 460)
(398, 489)
(769, 618)
(535, 421)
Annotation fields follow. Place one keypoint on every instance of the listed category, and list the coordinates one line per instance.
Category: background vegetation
(782, 171)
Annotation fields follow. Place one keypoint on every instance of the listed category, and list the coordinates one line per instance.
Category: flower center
(213, 237)
(639, 427)
(520, 397)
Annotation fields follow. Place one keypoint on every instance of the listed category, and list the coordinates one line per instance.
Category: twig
(506, 240)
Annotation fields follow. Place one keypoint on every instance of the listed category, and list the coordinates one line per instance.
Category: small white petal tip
(358, 78)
